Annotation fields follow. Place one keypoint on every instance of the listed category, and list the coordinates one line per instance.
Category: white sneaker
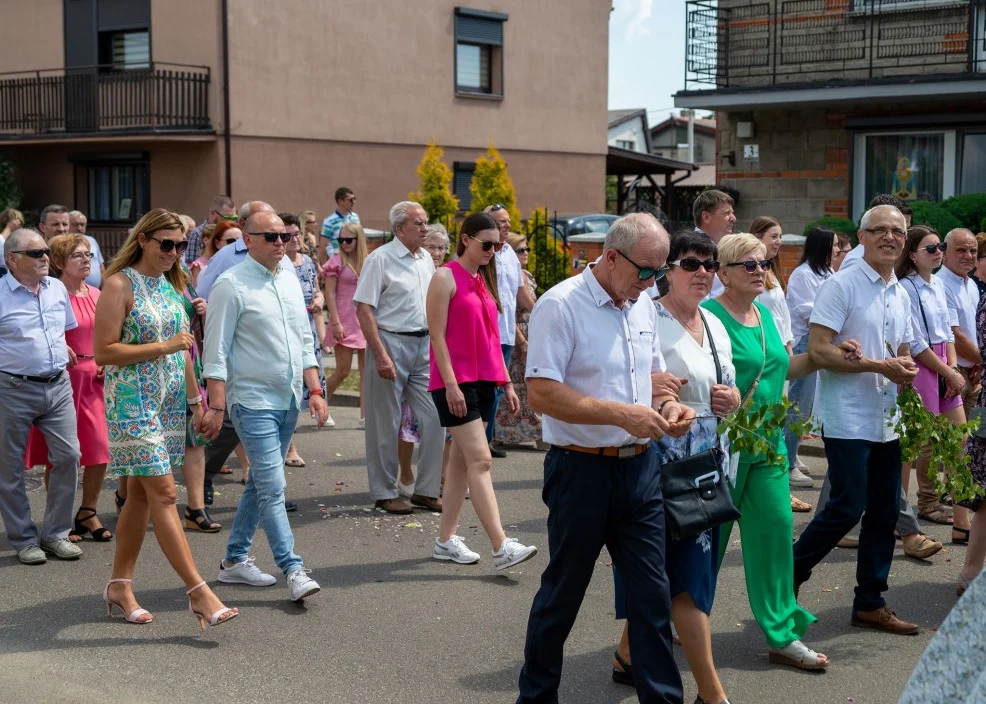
(800, 464)
(512, 553)
(799, 478)
(245, 572)
(454, 549)
(329, 423)
(301, 585)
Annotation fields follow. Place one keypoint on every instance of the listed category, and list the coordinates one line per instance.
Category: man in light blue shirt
(232, 254)
(35, 312)
(259, 350)
(77, 225)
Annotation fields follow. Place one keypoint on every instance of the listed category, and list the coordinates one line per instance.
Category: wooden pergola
(624, 163)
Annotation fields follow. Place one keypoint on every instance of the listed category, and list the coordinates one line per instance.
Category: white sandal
(217, 617)
(798, 655)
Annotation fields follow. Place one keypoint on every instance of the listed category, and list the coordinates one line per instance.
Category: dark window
(118, 192)
(119, 51)
(462, 177)
(479, 52)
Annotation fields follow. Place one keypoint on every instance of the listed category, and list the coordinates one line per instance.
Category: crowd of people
(146, 364)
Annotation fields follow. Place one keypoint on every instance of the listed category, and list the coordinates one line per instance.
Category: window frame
(877, 7)
(108, 66)
(465, 202)
(496, 79)
(83, 165)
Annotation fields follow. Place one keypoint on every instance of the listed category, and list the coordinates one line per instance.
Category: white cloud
(639, 12)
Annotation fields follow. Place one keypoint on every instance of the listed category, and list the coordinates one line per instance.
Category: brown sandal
(937, 515)
(799, 506)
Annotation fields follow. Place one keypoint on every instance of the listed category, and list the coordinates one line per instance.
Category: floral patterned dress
(308, 278)
(525, 426)
(976, 447)
(145, 402)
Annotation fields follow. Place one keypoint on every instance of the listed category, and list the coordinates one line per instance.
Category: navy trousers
(594, 501)
(865, 479)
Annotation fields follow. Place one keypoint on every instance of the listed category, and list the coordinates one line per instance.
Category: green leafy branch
(920, 430)
(755, 429)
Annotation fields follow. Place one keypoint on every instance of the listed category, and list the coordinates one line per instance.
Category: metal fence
(731, 43)
(550, 260)
(98, 98)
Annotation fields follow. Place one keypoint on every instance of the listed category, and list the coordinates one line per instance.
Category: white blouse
(773, 300)
(802, 287)
(935, 326)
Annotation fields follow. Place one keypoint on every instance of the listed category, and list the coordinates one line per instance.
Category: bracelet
(213, 408)
(315, 392)
(665, 402)
(197, 401)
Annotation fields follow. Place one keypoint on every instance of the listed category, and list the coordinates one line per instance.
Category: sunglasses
(170, 245)
(231, 240)
(346, 240)
(646, 273)
(522, 250)
(690, 264)
(230, 218)
(932, 248)
(498, 206)
(285, 237)
(751, 267)
(34, 253)
(487, 245)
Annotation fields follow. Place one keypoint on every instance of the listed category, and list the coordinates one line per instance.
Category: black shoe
(210, 490)
(290, 506)
(497, 452)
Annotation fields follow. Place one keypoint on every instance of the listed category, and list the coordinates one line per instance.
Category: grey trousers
(907, 521)
(383, 418)
(51, 409)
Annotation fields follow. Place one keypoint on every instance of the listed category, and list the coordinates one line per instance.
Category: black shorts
(479, 403)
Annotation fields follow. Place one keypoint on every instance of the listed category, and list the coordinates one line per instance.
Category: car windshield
(597, 224)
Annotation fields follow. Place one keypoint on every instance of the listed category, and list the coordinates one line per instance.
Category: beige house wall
(32, 35)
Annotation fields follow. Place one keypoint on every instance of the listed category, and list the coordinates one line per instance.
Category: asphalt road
(393, 625)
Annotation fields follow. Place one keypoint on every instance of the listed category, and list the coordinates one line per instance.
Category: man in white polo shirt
(856, 405)
(592, 349)
(856, 253)
(962, 296)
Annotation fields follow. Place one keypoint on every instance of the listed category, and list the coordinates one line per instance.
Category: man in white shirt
(857, 404)
(714, 216)
(856, 253)
(390, 305)
(513, 295)
(962, 296)
(589, 364)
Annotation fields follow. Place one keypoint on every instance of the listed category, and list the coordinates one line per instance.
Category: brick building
(821, 104)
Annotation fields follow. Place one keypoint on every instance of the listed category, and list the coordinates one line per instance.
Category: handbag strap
(712, 346)
(763, 346)
(917, 295)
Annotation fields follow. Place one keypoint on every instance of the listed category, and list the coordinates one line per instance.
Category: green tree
(435, 182)
(491, 185)
(10, 194)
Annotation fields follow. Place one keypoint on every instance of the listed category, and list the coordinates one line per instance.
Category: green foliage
(491, 184)
(755, 429)
(933, 215)
(842, 225)
(548, 259)
(10, 194)
(920, 430)
(969, 209)
(435, 194)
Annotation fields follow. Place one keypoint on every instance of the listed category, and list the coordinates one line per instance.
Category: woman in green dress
(142, 337)
(760, 490)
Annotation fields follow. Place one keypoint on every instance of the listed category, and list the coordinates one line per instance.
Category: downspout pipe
(227, 140)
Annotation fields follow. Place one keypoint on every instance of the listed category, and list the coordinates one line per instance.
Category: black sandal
(964, 540)
(624, 676)
(210, 490)
(198, 519)
(100, 535)
(120, 500)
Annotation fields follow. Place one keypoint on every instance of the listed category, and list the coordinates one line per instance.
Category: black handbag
(696, 492)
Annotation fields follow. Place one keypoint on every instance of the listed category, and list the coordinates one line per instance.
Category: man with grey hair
(77, 225)
(962, 296)
(35, 312)
(390, 305)
(222, 208)
(588, 337)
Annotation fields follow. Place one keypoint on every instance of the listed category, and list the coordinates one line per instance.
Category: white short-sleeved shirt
(508, 281)
(934, 326)
(802, 287)
(684, 357)
(395, 282)
(962, 296)
(774, 301)
(858, 304)
(578, 337)
(852, 258)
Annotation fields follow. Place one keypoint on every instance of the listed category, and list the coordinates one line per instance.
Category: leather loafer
(427, 502)
(848, 543)
(922, 548)
(395, 506)
(883, 619)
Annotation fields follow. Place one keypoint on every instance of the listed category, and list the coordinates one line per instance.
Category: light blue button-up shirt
(95, 278)
(257, 336)
(32, 327)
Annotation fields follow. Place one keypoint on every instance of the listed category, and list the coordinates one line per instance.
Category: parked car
(568, 225)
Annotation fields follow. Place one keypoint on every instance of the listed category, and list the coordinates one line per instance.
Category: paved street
(392, 625)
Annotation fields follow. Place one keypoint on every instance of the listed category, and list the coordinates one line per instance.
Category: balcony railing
(157, 97)
(734, 43)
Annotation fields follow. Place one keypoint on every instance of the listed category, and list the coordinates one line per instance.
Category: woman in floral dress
(525, 425)
(975, 554)
(142, 337)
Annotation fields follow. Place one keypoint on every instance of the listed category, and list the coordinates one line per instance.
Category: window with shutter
(462, 177)
(479, 52)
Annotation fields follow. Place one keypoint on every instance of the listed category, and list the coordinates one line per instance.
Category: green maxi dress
(762, 493)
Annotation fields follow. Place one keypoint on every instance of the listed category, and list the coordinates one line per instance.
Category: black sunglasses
(487, 244)
(645, 273)
(33, 253)
(751, 267)
(285, 237)
(690, 264)
(932, 248)
(522, 250)
(170, 245)
(231, 240)
(346, 240)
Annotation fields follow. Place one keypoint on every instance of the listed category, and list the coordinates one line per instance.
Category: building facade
(822, 104)
(143, 103)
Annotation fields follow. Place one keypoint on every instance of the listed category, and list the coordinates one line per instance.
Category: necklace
(680, 318)
(743, 317)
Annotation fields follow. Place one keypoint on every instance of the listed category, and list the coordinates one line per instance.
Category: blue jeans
(801, 393)
(265, 435)
(507, 351)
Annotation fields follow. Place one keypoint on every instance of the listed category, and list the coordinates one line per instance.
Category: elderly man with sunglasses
(35, 312)
(258, 321)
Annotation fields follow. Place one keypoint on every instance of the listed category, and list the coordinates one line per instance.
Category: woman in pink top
(466, 369)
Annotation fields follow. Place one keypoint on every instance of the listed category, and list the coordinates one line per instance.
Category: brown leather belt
(621, 452)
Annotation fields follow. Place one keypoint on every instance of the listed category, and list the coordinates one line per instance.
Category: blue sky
(646, 55)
